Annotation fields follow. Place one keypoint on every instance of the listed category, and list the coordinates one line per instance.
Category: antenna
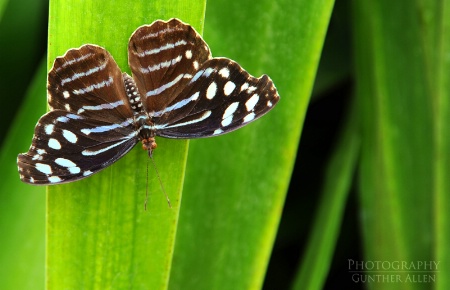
(150, 156)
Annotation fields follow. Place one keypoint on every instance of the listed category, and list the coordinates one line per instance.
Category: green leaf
(98, 234)
(402, 68)
(236, 184)
(327, 222)
(22, 206)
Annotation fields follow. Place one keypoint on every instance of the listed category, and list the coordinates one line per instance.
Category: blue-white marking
(87, 172)
(211, 91)
(83, 74)
(105, 83)
(229, 88)
(164, 87)
(64, 162)
(251, 103)
(100, 107)
(178, 105)
(249, 117)
(105, 128)
(125, 139)
(162, 48)
(44, 168)
(49, 129)
(54, 179)
(161, 65)
(71, 137)
(205, 115)
(54, 144)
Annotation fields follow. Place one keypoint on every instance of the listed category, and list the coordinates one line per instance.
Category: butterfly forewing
(221, 97)
(164, 57)
(87, 81)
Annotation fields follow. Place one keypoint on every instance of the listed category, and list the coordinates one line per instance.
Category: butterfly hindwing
(220, 98)
(68, 147)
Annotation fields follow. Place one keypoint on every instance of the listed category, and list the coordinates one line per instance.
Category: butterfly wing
(90, 125)
(220, 98)
(163, 57)
(68, 147)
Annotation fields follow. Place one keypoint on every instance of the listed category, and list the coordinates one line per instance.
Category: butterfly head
(149, 144)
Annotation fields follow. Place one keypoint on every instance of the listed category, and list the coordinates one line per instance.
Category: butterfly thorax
(143, 124)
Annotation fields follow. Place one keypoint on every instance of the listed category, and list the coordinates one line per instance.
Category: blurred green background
(371, 180)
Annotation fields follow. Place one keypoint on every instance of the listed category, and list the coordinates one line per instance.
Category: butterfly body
(177, 90)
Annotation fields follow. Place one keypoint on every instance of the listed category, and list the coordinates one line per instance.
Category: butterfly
(177, 90)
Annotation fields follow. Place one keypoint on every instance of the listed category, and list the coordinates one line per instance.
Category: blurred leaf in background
(23, 73)
(23, 40)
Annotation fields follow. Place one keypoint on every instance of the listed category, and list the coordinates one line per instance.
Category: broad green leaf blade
(98, 234)
(438, 49)
(22, 206)
(236, 184)
(338, 179)
(402, 70)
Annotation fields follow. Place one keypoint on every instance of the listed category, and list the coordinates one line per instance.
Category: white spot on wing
(251, 103)
(74, 170)
(87, 172)
(251, 89)
(66, 94)
(217, 131)
(54, 179)
(54, 144)
(230, 110)
(249, 117)
(225, 72)
(44, 168)
(227, 117)
(49, 129)
(211, 91)
(208, 71)
(244, 87)
(64, 162)
(71, 137)
(229, 88)
(188, 54)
